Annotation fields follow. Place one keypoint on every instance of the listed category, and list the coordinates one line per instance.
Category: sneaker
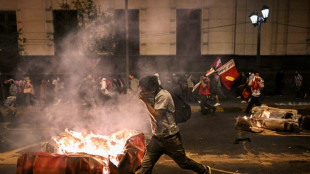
(243, 101)
(239, 97)
(208, 170)
(217, 104)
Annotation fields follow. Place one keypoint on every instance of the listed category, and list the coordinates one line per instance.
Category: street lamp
(257, 20)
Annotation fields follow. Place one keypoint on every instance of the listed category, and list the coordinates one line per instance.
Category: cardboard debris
(264, 117)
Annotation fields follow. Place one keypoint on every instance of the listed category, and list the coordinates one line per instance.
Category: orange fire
(108, 147)
(266, 114)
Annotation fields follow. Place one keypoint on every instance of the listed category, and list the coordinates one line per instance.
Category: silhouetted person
(298, 85)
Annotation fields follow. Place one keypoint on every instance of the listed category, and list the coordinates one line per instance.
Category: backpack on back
(182, 109)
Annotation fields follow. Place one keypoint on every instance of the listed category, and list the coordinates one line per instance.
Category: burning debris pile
(264, 117)
(75, 152)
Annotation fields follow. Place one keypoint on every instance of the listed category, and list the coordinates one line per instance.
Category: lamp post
(127, 47)
(257, 20)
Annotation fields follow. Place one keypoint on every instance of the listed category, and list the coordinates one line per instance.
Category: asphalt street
(208, 139)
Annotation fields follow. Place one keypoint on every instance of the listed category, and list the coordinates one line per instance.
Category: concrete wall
(35, 19)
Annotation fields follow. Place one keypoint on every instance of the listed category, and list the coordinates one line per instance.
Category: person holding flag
(205, 95)
(227, 73)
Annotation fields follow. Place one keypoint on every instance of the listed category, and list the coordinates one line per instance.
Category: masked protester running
(166, 137)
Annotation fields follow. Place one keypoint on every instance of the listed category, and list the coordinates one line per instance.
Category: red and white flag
(209, 72)
(217, 63)
(228, 73)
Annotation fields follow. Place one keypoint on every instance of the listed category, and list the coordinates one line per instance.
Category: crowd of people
(53, 91)
(93, 91)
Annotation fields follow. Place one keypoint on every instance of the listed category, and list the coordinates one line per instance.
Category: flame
(266, 114)
(108, 147)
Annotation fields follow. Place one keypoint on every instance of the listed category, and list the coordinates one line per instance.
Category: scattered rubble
(265, 117)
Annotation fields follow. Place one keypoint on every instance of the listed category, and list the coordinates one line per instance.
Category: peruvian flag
(228, 73)
(217, 63)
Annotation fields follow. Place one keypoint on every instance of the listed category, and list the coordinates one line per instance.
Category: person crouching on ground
(166, 137)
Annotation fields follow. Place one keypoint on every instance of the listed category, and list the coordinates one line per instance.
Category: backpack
(182, 109)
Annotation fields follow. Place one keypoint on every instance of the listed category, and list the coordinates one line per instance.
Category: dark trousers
(298, 92)
(253, 100)
(28, 99)
(171, 146)
(205, 99)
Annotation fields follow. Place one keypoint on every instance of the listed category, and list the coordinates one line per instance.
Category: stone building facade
(187, 35)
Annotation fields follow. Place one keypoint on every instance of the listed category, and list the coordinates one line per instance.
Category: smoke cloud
(77, 59)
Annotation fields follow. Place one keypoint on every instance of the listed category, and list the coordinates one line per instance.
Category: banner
(209, 72)
(228, 73)
(217, 63)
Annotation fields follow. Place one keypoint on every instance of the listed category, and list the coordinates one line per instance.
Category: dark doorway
(9, 52)
(188, 32)
(65, 21)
